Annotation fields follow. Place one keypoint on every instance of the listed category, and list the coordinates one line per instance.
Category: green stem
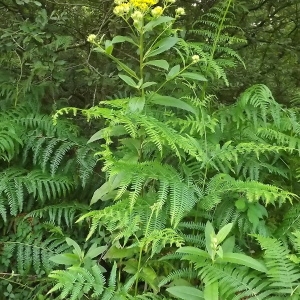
(157, 38)
(163, 84)
(19, 80)
(215, 44)
(140, 256)
(141, 47)
(220, 28)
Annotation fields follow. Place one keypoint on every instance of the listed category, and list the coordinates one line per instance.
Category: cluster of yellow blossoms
(124, 7)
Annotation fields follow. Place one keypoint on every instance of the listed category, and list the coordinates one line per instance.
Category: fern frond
(283, 273)
(290, 222)
(76, 282)
(58, 213)
(158, 239)
(34, 253)
(254, 191)
(178, 274)
(10, 140)
(236, 283)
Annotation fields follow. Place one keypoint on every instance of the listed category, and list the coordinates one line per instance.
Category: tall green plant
(172, 163)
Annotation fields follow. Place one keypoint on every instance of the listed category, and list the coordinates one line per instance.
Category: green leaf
(160, 63)
(66, 259)
(121, 39)
(262, 210)
(193, 76)
(114, 131)
(99, 193)
(146, 84)
(131, 266)
(116, 253)
(119, 63)
(150, 277)
(160, 20)
(228, 245)
(172, 102)
(209, 234)
(107, 187)
(224, 231)
(241, 204)
(173, 72)
(186, 293)
(162, 46)
(126, 68)
(77, 249)
(95, 251)
(211, 291)
(136, 104)
(244, 260)
(220, 251)
(193, 251)
(108, 47)
(254, 215)
(128, 80)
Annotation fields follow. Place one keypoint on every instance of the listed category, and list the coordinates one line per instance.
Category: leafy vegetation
(125, 173)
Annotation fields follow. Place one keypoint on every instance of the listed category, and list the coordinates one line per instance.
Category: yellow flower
(180, 11)
(195, 59)
(119, 2)
(122, 9)
(142, 4)
(91, 38)
(137, 16)
(157, 11)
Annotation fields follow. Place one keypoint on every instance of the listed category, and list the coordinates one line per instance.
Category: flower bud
(91, 38)
(157, 11)
(180, 11)
(137, 16)
(195, 59)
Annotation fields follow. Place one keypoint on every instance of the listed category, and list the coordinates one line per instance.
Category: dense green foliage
(143, 154)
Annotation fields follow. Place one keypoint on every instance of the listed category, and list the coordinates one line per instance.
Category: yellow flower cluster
(125, 6)
(122, 9)
(142, 4)
(157, 11)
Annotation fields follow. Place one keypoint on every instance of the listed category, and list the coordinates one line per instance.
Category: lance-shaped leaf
(186, 293)
(172, 102)
(152, 24)
(121, 39)
(128, 80)
(161, 46)
(211, 291)
(193, 76)
(160, 63)
(244, 260)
